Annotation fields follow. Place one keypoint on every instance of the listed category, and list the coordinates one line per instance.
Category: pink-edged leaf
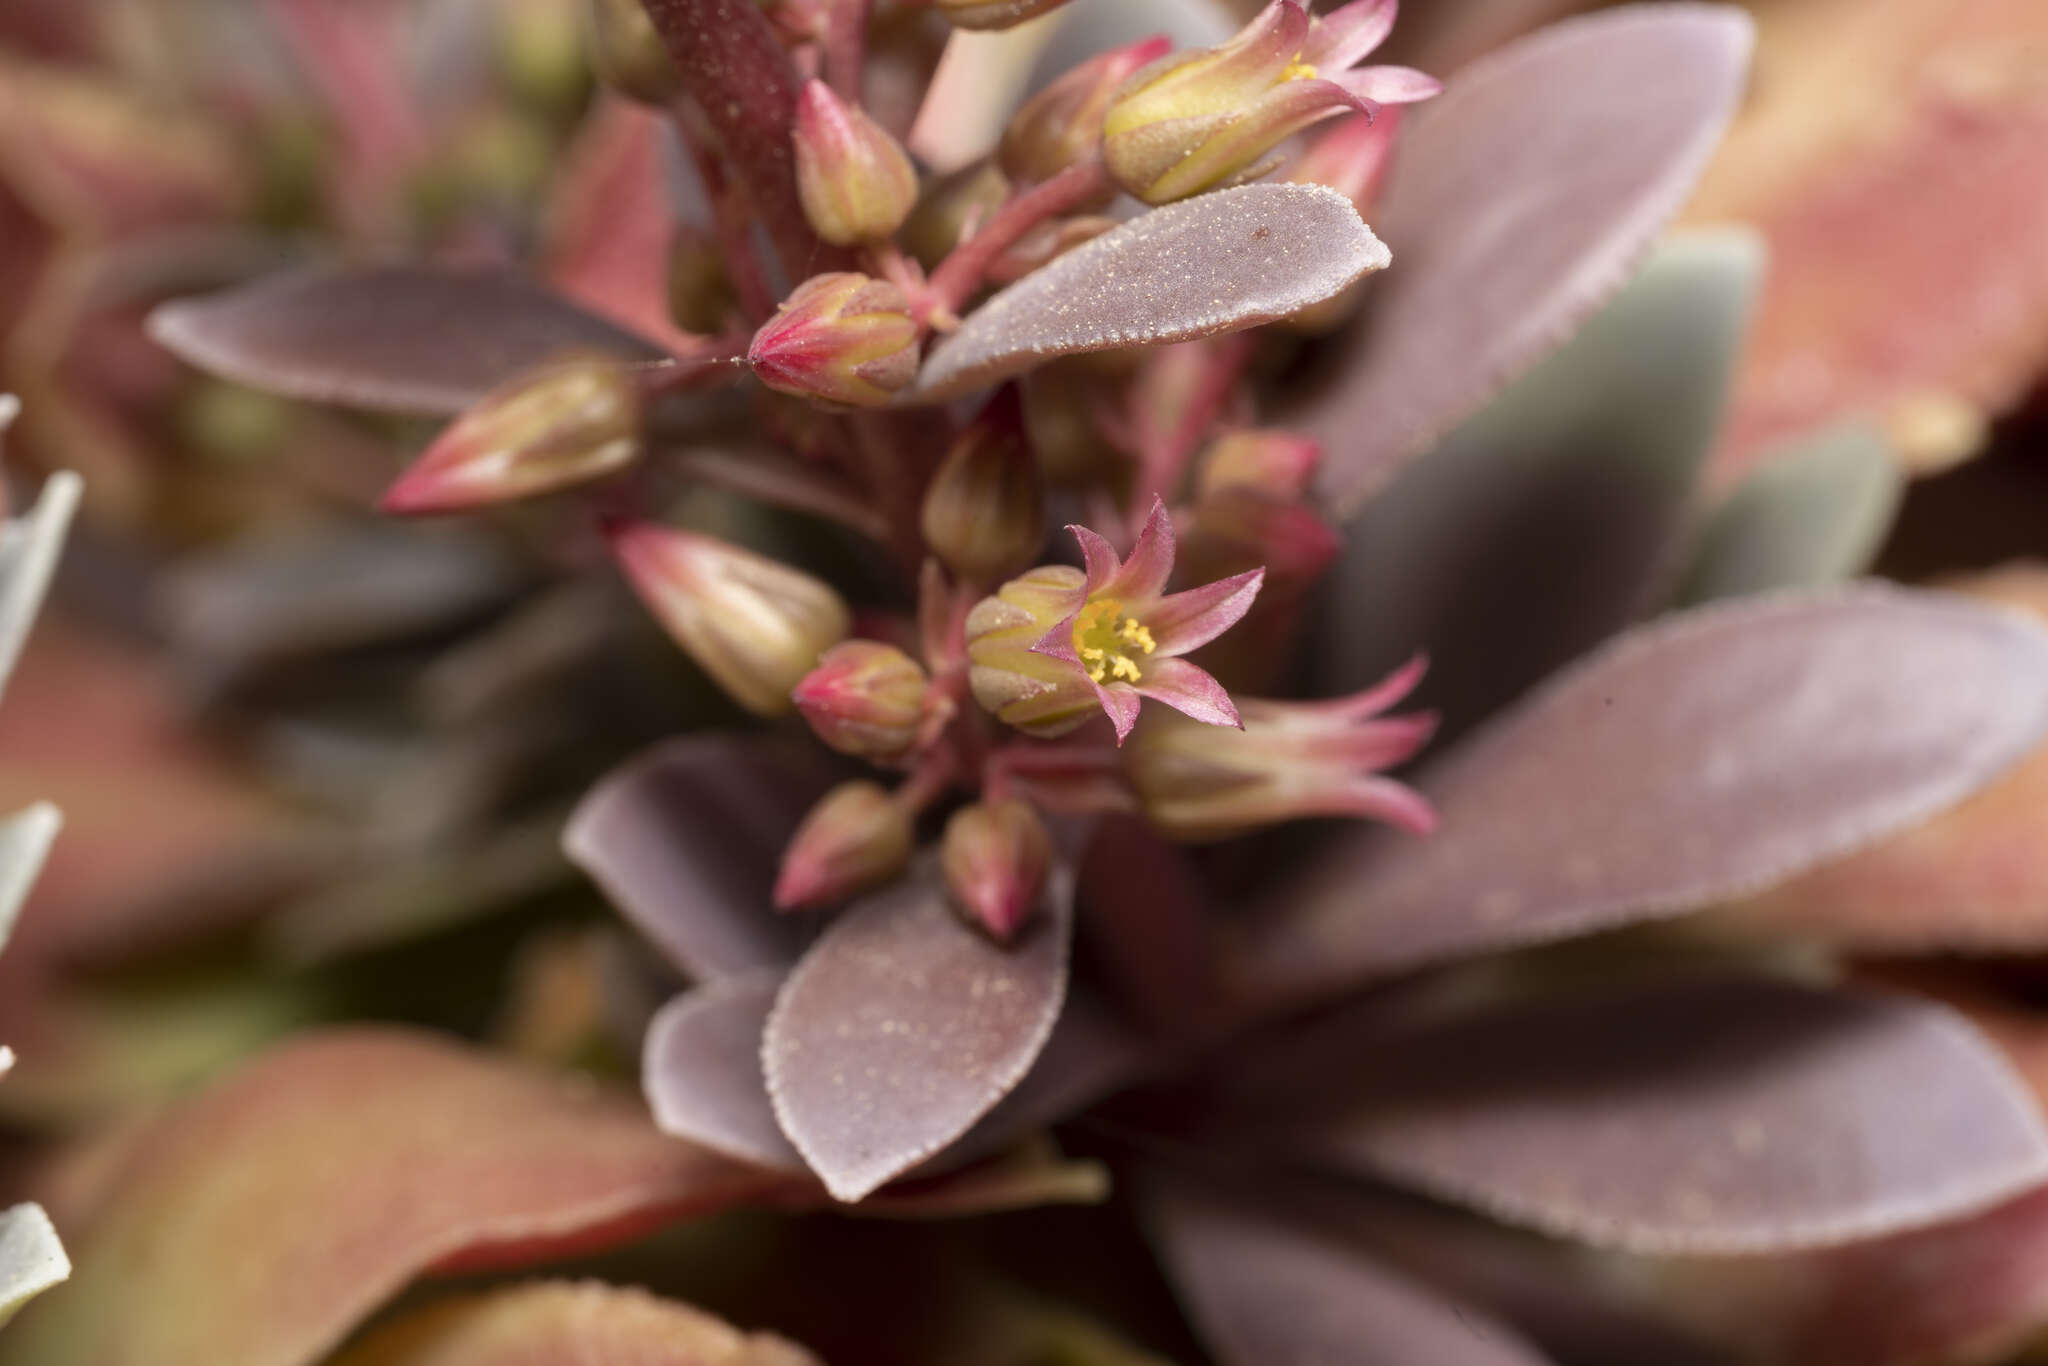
(409, 339)
(1692, 760)
(334, 1170)
(903, 1026)
(1519, 200)
(1217, 263)
(1718, 1115)
(563, 1324)
(1188, 620)
(701, 1070)
(685, 840)
(32, 1259)
(1267, 1293)
(1190, 690)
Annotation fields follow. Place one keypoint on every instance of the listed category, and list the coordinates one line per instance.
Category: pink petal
(1099, 556)
(1188, 621)
(1396, 803)
(1190, 690)
(1346, 36)
(1389, 84)
(1145, 573)
(1058, 643)
(1121, 701)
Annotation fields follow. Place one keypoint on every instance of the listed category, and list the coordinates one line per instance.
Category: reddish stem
(957, 277)
(729, 217)
(1164, 455)
(846, 38)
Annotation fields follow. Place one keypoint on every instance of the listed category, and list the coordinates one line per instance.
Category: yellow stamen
(1298, 71)
(1107, 642)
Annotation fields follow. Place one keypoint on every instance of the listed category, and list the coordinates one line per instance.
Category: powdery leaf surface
(1217, 263)
(1699, 758)
(327, 1174)
(1711, 1115)
(409, 339)
(903, 1026)
(1264, 1293)
(1521, 198)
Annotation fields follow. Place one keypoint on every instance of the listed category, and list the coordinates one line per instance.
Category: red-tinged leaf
(1696, 759)
(563, 1324)
(1972, 880)
(333, 1171)
(685, 840)
(31, 1258)
(1901, 140)
(1710, 1115)
(1266, 1293)
(1519, 200)
(1217, 263)
(409, 339)
(903, 1026)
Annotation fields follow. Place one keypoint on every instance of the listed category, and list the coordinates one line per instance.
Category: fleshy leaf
(1520, 199)
(25, 839)
(1710, 1115)
(408, 339)
(1696, 759)
(564, 1324)
(903, 1026)
(1814, 514)
(28, 556)
(685, 839)
(334, 1170)
(1213, 264)
(701, 1070)
(1540, 526)
(31, 1258)
(1265, 1293)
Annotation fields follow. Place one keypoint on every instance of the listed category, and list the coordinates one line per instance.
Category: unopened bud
(856, 181)
(856, 838)
(987, 14)
(1274, 462)
(995, 857)
(866, 699)
(628, 54)
(841, 338)
(754, 624)
(1062, 124)
(984, 513)
(1045, 244)
(700, 289)
(1240, 527)
(562, 425)
(950, 207)
(1036, 693)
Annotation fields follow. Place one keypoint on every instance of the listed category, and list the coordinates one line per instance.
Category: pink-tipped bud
(856, 181)
(866, 699)
(991, 14)
(841, 338)
(562, 425)
(1239, 527)
(754, 624)
(856, 838)
(996, 856)
(1292, 760)
(628, 55)
(1062, 124)
(1278, 463)
(984, 512)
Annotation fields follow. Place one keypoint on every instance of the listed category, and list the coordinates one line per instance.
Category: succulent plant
(1388, 1063)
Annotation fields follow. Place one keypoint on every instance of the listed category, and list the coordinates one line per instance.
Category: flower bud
(984, 513)
(628, 55)
(1277, 463)
(1036, 693)
(840, 338)
(1292, 760)
(754, 624)
(995, 856)
(949, 207)
(562, 425)
(856, 181)
(988, 14)
(866, 699)
(1062, 124)
(857, 837)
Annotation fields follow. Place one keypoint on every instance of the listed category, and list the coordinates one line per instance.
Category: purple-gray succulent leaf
(1217, 263)
(903, 1026)
(1704, 1115)
(685, 839)
(1520, 200)
(1700, 757)
(1547, 522)
(701, 1070)
(1263, 1291)
(1814, 514)
(408, 339)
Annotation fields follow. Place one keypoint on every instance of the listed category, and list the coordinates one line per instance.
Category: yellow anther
(1298, 71)
(1106, 640)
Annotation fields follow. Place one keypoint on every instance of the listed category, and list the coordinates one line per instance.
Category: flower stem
(957, 277)
(846, 37)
